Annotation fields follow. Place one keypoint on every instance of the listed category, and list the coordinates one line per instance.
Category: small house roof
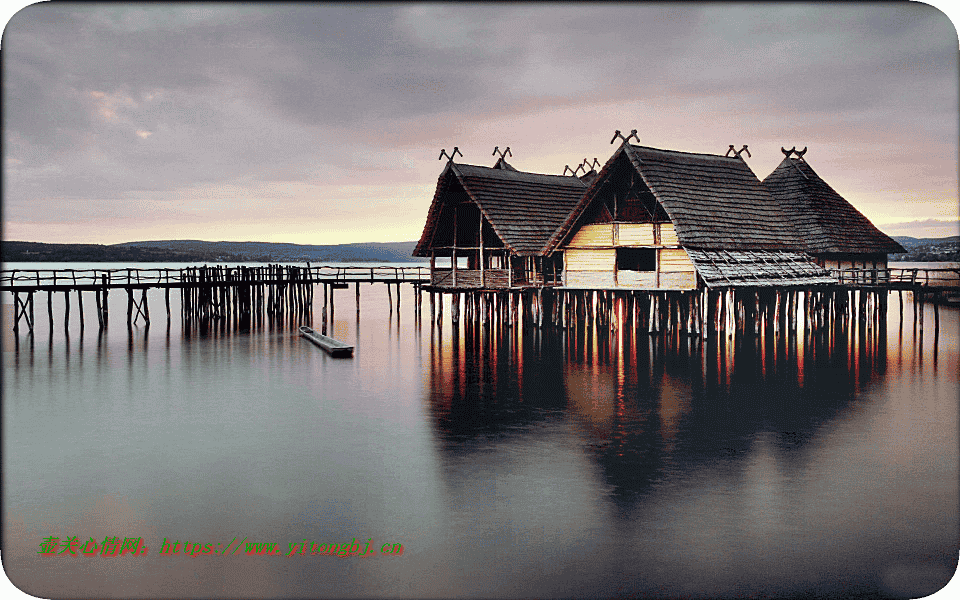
(758, 268)
(523, 208)
(824, 219)
(715, 202)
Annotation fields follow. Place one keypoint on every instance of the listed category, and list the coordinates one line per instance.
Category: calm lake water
(507, 463)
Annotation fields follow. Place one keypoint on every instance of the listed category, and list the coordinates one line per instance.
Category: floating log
(334, 347)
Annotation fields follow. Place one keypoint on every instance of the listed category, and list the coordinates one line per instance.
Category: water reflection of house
(651, 219)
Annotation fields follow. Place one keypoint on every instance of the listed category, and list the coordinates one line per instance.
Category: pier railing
(64, 279)
(899, 277)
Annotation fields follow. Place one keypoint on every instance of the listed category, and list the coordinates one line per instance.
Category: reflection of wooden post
(50, 309)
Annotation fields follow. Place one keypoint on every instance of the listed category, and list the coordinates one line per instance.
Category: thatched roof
(824, 219)
(715, 202)
(524, 209)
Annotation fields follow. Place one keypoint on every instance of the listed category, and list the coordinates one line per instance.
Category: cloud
(110, 102)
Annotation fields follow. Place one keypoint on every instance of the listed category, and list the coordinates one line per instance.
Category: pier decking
(248, 294)
(207, 292)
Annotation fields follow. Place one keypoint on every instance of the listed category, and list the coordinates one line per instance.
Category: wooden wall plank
(591, 260)
(673, 260)
(668, 235)
(636, 234)
(599, 235)
(678, 281)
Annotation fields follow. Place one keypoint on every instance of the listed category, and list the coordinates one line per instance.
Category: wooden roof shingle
(524, 209)
(824, 219)
(715, 202)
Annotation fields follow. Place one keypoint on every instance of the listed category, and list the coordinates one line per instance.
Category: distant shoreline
(945, 249)
(210, 252)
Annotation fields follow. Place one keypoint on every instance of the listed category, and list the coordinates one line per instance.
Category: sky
(323, 123)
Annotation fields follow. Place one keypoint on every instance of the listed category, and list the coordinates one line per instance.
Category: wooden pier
(241, 294)
(862, 294)
(250, 295)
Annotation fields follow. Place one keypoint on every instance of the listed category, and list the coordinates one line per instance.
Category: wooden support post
(145, 306)
(900, 296)
(711, 297)
(16, 312)
(66, 310)
(50, 309)
(356, 285)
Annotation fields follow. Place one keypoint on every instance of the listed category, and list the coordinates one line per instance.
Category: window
(636, 259)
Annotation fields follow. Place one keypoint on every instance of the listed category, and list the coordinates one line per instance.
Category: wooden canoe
(332, 346)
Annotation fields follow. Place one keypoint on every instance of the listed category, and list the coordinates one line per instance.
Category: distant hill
(918, 249)
(946, 249)
(200, 251)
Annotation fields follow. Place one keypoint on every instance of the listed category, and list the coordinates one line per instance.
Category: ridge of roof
(720, 157)
(464, 170)
(827, 221)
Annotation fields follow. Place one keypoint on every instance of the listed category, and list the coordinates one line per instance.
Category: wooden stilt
(16, 312)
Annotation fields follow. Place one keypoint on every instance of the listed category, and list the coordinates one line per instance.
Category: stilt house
(493, 222)
(835, 233)
(661, 219)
